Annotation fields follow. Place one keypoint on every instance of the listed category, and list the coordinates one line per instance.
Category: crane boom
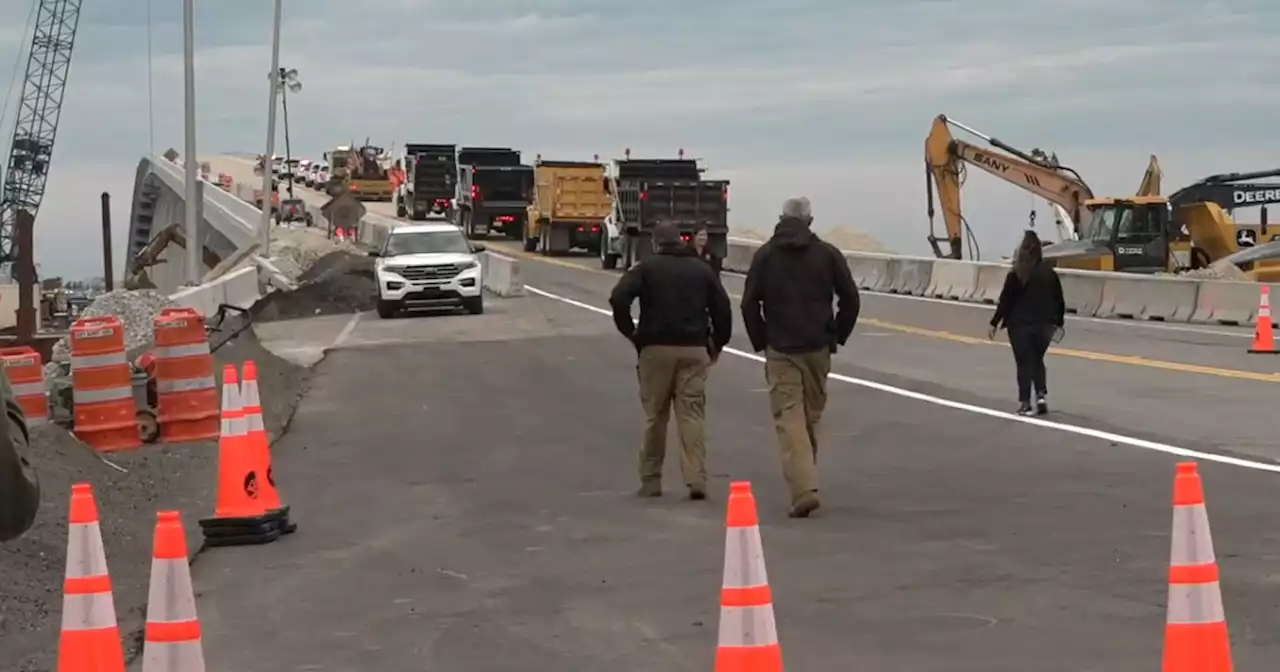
(39, 110)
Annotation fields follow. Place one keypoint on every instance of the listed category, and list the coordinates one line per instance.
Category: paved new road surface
(464, 489)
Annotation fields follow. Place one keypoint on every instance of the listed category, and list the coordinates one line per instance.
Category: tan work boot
(650, 489)
(804, 505)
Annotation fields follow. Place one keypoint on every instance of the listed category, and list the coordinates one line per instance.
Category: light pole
(268, 190)
(288, 82)
(191, 163)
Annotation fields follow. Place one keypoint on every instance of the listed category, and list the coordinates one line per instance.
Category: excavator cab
(1130, 235)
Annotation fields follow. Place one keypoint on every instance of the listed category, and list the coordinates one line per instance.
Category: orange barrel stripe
(106, 415)
(1196, 638)
(25, 368)
(188, 393)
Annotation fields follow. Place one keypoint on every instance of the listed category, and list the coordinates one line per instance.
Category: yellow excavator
(1128, 234)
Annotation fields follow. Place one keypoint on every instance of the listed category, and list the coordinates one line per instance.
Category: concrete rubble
(297, 250)
(136, 310)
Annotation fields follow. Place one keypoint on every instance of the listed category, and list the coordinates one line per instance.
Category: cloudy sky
(825, 98)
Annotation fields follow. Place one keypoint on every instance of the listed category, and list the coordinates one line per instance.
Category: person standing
(19, 487)
(1031, 307)
(786, 308)
(700, 248)
(685, 321)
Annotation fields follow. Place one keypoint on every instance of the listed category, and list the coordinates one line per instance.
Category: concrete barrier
(239, 288)
(740, 254)
(500, 274)
(870, 271)
(1147, 297)
(1082, 291)
(1228, 302)
(952, 279)
(909, 275)
(989, 282)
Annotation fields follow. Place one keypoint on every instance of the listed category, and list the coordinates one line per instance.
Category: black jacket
(19, 488)
(790, 286)
(1038, 303)
(681, 302)
(716, 263)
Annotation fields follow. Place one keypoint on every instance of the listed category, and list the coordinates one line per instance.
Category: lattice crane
(26, 172)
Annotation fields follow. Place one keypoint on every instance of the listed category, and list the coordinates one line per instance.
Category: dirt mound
(129, 487)
(337, 283)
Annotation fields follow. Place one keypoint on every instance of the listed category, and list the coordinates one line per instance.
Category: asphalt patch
(338, 283)
(129, 487)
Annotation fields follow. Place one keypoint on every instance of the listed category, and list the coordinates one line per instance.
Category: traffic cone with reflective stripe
(748, 634)
(260, 446)
(90, 639)
(240, 516)
(1264, 338)
(1195, 631)
(173, 630)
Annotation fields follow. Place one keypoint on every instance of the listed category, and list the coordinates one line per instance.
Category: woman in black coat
(699, 244)
(1032, 308)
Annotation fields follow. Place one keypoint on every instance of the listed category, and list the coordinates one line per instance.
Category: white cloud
(822, 97)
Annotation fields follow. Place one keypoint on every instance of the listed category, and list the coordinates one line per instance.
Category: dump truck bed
(686, 203)
(570, 190)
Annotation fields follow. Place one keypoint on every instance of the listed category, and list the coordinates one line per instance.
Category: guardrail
(1088, 293)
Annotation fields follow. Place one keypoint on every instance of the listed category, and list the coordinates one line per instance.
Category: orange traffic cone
(338, 234)
(1264, 338)
(240, 517)
(1195, 631)
(90, 639)
(172, 641)
(260, 446)
(748, 634)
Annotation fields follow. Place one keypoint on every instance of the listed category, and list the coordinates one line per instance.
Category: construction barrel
(25, 368)
(188, 405)
(106, 415)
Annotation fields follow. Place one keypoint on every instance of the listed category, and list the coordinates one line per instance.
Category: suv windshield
(426, 242)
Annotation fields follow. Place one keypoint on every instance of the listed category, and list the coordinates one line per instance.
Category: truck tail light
(475, 191)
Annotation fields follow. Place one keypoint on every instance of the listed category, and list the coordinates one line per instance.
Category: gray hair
(797, 207)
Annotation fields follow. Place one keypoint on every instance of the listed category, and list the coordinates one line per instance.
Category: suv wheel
(474, 304)
(387, 309)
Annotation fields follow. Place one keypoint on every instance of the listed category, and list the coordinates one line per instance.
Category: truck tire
(530, 244)
(474, 304)
(387, 309)
(608, 261)
(401, 211)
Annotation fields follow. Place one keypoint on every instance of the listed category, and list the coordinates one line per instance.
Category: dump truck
(431, 175)
(570, 203)
(369, 180)
(494, 192)
(647, 191)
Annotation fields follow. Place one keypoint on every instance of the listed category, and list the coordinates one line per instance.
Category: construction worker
(786, 309)
(19, 487)
(685, 321)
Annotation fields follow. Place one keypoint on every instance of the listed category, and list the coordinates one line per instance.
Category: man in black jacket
(786, 308)
(19, 488)
(685, 321)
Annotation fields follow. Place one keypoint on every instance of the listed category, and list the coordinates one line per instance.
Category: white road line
(346, 331)
(991, 413)
(1159, 326)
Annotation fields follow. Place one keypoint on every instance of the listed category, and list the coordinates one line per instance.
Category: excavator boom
(945, 158)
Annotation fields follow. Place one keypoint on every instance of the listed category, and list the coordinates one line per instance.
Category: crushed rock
(299, 249)
(136, 309)
(338, 283)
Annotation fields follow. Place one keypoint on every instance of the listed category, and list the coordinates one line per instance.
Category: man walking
(19, 489)
(786, 308)
(685, 321)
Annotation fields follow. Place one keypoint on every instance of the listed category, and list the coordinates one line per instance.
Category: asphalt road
(1191, 386)
(466, 495)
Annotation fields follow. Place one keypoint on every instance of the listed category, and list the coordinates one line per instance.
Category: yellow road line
(1130, 360)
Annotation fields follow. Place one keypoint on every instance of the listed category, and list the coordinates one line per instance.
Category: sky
(829, 99)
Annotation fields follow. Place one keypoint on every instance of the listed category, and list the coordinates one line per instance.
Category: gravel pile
(337, 283)
(136, 309)
(181, 476)
(300, 249)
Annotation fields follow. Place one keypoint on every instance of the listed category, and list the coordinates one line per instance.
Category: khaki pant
(674, 377)
(798, 395)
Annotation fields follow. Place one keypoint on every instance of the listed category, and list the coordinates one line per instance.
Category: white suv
(428, 266)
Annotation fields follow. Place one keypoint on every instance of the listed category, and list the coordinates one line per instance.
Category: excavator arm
(945, 158)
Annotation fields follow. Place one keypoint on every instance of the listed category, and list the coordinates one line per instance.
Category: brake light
(685, 236)
(475, 191)
(726, 192)
(644, 195)
(505, 218)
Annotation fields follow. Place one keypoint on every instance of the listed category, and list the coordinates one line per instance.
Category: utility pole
(190, 162)
(268, 190)
(288, 83)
